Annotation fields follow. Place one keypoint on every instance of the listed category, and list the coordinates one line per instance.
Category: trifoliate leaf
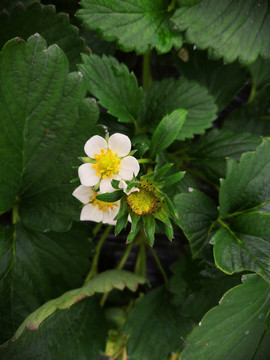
(35, 267)
(247, 183)
(114, 86)
(197, 214)
(54, 28)
(147, 325)
(135, 25)
(229, 29)
(240, 321)
(223, 81)
(252, 117)
(167, 131)
(210, 151)
(164, 97)
(79, 332)
(244, 244)
(42, 132)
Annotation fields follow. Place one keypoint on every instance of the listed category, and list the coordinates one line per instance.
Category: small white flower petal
(108, 218)
(94, 145)
(91, 213)
(110, 214)
(106, 186)
(83, 193)
(88, 175)
(120, 144)
(122, 185)
(129, 166)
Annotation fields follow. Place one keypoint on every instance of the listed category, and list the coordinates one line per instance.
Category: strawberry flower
(94, 209)
(109, 161)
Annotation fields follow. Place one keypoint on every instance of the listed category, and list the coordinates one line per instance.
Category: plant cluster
(135, 122)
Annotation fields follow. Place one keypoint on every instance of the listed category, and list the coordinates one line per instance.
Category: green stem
(15, 213)
(171, 6)
(125, 256)
(119, 267)
(159, 266)
(147, 78)
(252, 94)
(144, 161)
(96, 228)
(143, 259)
(140, 266)
(93, 270)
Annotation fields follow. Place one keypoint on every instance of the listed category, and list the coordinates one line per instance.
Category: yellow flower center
(102, 205)
(142, 202)
(107, 163)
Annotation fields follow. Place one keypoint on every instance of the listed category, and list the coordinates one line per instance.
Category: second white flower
(110, 161)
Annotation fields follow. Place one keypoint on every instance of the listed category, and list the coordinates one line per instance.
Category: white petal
(91, 213)
(83, 193)
(106, 186)
(129, 166)
(122, 185)
(120, 144)
(94, 145)
(109, 215)
(88, 175)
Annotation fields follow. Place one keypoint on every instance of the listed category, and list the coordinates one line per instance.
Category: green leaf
(76, 333)
(210, 151)
(253, 116)
(244, 244)
(222, 81)
(136, 224)
(149, 228)
(35, 267)
(55, 28)
(121, 217)
(240, 321)
(260, 73)
(154, 320)
(111, 197)
(135, 25)
(36, 166)
(198, 282)
(162, 216)
(160, 172)
(232, 30)
(97, 45)
(187, 2)
(247, 183)
(115, 87)
(197, 213)
(167, 131)
(174, 178)
(8, 5)
(164, 97)
(103, 282)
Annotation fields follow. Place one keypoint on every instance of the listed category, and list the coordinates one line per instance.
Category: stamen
(107, 164)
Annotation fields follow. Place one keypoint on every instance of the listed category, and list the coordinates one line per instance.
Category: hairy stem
(147, 78)
(161, 269)
(93, 270)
